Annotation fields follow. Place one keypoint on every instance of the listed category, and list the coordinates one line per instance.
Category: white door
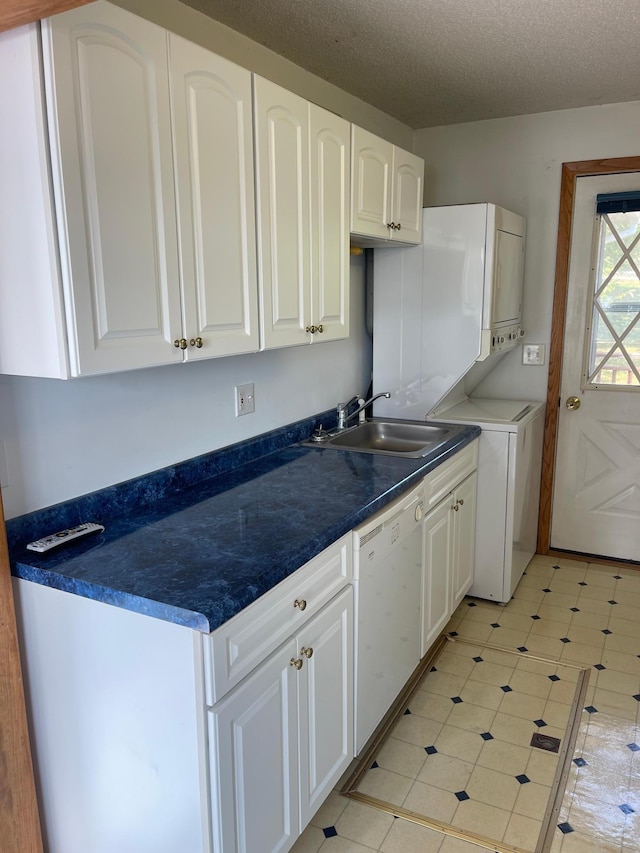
(213, 134)
(596, 504)
(372, 162)
(254, 760)
(330, 170)
(112, 163)
(282, 181)
(325, 702)
(406, 205)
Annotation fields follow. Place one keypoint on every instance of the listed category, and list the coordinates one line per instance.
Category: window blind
(618, 202)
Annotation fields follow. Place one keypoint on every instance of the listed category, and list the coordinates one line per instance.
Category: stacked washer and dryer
(444, 313)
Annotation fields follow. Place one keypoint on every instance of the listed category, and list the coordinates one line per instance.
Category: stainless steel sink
(398, 438)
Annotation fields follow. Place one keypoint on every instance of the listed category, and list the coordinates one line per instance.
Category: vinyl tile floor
(583, 615)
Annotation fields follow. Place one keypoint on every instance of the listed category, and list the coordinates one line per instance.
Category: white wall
(63, 439)
(516, 162)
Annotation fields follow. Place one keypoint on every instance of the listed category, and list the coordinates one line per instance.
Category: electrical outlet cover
(245, 400)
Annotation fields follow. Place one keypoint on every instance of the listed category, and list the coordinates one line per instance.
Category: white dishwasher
(387, 579)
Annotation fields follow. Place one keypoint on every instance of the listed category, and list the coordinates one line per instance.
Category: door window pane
(614, 345)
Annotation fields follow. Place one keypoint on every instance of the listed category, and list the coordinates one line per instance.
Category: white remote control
(64, 536)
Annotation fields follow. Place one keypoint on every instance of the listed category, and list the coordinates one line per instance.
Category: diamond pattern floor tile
(596, 609)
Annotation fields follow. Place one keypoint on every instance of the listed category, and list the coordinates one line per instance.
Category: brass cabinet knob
(180, 343)
(398, 226)
(300, 603)
(391, 225)
(320, 328)
(296, 662)
(573, 403)
(311, 329)
(460, 501)
(196, 342)
(455, 507)
(306, 652)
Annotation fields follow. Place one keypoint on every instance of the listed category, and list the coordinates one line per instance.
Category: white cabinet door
(325, 690)
(282, 184)
(464, 534)
(372, 163)
(330, 169)
(111, 139)
(386, 191)
(213, 138)
(406, 212)
(283, 737)
(437, 571)
(254, 772)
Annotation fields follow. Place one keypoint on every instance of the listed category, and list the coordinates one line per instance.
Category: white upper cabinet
(108, 100)
(213, 139)
(386, 191)
(152, 174)
(302, 180)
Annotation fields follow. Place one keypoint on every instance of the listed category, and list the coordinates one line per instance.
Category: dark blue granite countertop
(197, 542)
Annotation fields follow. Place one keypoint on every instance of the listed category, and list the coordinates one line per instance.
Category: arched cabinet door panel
(213, 134)
(282, 185)
(110, 128)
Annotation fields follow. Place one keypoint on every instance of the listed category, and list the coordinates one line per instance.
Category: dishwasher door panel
(388, 625)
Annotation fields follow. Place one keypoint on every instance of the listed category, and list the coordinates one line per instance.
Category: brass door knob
(300, 603)
(306, 652)
(296, 662)
(573, 403)
(196, 342)
(180, 343)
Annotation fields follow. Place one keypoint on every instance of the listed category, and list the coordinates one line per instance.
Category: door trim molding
(570, 173)
(19, 817)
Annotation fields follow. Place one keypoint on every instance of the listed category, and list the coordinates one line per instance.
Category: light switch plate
(533, 353)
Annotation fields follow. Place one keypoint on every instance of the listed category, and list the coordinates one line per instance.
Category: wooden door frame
(570, 173)
(19, 818)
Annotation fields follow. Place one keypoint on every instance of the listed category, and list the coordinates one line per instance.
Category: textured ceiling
(433, 62)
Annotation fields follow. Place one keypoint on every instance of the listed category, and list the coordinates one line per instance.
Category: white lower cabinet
(124, 726)
(282, 738)
(448, 541)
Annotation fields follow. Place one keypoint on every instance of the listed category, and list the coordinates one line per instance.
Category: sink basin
(398, 438)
